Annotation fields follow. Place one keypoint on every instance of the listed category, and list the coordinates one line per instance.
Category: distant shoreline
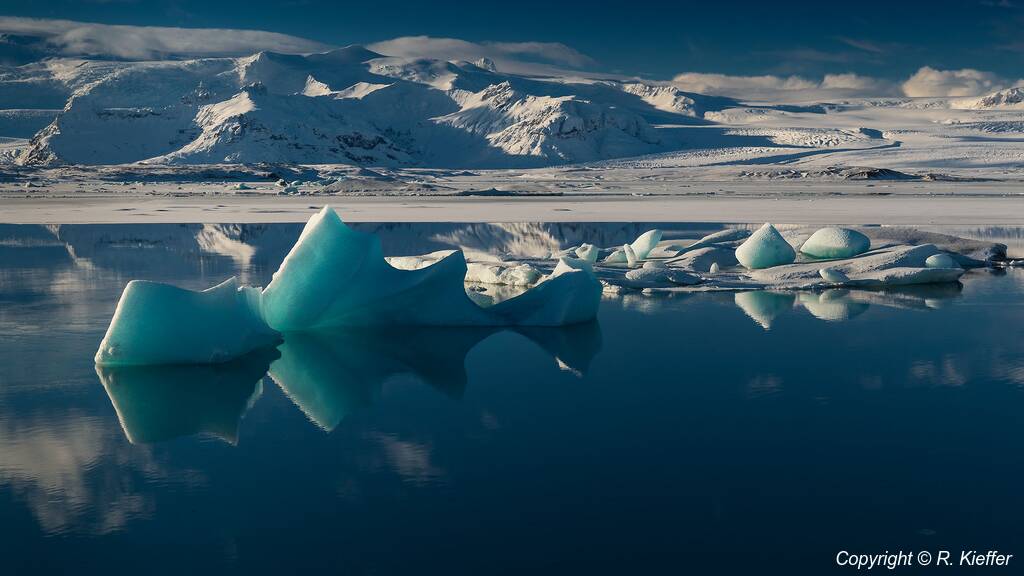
(701, 202)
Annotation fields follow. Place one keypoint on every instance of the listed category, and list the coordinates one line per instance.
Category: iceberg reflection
(328, 374)
(842, 304)
(158, 403)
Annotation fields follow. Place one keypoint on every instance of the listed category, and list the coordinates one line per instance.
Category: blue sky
(890, 39)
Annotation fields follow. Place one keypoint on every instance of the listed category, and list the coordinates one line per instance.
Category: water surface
(711, 433)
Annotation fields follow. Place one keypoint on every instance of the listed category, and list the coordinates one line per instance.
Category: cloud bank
(926, 82)
(966, 82)
(792, 88)
(70, 38)
(512, 57)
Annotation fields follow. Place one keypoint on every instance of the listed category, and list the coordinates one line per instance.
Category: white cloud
(72, 38)
(782, 88)
(512, 57)
(954, 83)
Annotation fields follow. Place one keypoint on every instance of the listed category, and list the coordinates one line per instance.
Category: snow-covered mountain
(1009, 99)
(354, 106)
(346, 106)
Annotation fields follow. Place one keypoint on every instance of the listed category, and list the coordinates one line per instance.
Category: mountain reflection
(327, 374)
(840, 304)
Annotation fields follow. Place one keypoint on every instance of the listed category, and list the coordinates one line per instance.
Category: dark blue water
(706, 434)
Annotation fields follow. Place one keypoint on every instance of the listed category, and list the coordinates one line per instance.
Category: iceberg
(641, 248)
(655, 276)
(631, 259)
(702, 259)
(646, 242)
(336, 277)
(519, 275)
(887, 266)
(588, 253)
(333, 277)
(940, 260)
(158, 323)
(764, 249)
(835, 242)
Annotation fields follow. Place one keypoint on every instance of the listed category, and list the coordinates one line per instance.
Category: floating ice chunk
(714, 269)
(567, 296)
(941, 260)
(617, 256)
(641, 248)
(578, 263)
(335, 276)
(701, 259)
(764, 249)
(631, 258)
(833, 275)
(764, 306)
(835, 242)
(417, 262)
(654, 276)
(646, 242)
(162, 324)
(727, 236)
(588, 252)
(520, 275)
(893, 265)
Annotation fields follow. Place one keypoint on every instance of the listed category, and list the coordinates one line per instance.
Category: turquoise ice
(764, 249)
(835, 242)
(162, 324)
(333, 277)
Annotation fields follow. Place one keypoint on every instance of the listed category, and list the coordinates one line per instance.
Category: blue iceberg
(333, 277)
(158, 323)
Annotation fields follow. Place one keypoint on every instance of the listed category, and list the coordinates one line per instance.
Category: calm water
(716, 433)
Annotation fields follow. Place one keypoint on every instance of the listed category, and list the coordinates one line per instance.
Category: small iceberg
(764, 249)
(637, 250)
(835, 242)
(941, 260)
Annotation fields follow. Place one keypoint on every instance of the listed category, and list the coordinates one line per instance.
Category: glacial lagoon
(723, 431)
